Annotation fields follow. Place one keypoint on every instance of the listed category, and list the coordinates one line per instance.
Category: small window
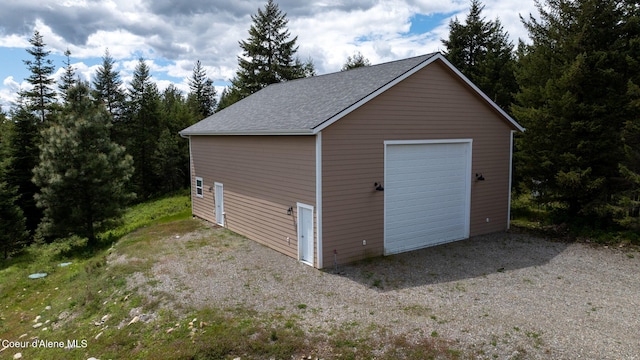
(199, 187)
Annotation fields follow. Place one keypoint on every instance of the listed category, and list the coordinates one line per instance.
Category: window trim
(199, 189)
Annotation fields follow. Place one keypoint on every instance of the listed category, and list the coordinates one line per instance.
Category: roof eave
(285, 132)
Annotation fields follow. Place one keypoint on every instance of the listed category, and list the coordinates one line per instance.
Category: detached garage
(373, 161)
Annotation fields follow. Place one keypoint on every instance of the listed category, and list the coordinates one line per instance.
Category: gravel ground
(502, 296)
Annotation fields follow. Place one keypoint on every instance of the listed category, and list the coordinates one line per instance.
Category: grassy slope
(89, 301)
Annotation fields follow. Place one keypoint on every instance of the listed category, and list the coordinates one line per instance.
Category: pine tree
(68, 78)
(13, 234)
(627, 206)
(481, 50)
(358, 60)
(82, 174)
(228, 97)
(41, 97)
(22, 139)
(12, 221)
(142, 127)
(172, 154)
(268, 56)
(108, 87)
(202, 97)
(574, 101)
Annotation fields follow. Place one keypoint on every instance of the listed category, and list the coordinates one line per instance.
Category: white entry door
(219, 203)
(305, 233)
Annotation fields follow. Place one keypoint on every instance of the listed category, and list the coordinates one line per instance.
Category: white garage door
(426, 193)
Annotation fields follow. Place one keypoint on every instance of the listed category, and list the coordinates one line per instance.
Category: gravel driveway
(499, 296)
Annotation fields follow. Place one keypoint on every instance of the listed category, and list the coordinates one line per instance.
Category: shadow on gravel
(465, 259)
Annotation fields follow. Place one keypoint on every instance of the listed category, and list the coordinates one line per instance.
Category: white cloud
(121, 44)
(9, 92)
(171, 35)
(336, 34)
(14, 41)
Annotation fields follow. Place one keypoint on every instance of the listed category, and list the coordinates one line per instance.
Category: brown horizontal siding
(430, 104)
(262, 177)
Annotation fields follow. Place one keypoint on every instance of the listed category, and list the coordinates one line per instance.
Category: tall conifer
(268, 56)
(108, 86)
(574, 101)
(202, 95)
(22, 154)
(142, 126)
(42, 95)
(68, 79)
(82, 174)
(481, 50)
(13, 233)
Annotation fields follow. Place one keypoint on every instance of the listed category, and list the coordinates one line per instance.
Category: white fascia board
(510, 179)
(319, 199)
(191, 174)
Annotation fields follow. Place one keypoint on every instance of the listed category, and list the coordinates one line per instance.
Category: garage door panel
(443, 218)
(419, 184)
(416, 168)
(426, 194)
(412, 237)
(432, 193)
(411, 241)
(414, 210)
(435, 164)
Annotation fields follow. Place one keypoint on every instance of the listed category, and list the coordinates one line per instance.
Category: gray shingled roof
(301, 105)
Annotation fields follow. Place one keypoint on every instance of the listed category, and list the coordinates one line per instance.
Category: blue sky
(171, 35)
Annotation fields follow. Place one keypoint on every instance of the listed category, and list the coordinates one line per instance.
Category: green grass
(160, 211)
(72, 298)
(91, 302)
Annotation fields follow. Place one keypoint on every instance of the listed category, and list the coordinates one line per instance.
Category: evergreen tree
(229, 96)
(12, 221)
(202, 97)
(108, 87)
(172, 153)
(574, 101)
(481, 50)
(627, 207)
(268, 56)
(5, 125)
(68, 78)
(358, 60)
(42, 95)
(22, 138)
(82, 173)
(142, 127)
(308, 68)
(13, 234)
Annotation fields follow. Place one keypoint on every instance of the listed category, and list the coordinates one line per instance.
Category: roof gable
(306, 106)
